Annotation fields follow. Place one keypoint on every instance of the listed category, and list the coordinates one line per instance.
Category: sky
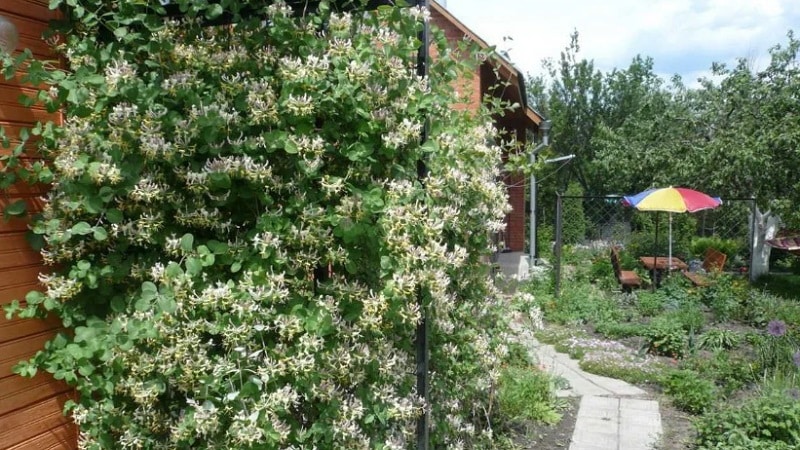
(682, 36)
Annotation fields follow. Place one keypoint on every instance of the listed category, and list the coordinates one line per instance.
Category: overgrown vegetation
(242, 242)
(728, 354)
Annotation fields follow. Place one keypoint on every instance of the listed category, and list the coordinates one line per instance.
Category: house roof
(505, 67)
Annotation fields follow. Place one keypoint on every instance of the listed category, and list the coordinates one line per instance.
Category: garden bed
(722, 360)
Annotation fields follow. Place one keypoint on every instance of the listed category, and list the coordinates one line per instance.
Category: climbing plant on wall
(238, 237)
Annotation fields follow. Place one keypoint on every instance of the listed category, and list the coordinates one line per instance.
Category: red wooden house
(523, 122)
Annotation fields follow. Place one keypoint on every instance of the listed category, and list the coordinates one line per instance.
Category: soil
(540, 436)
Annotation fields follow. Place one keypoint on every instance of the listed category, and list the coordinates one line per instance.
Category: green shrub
(719, 339)
(730, 372)
(575, 223)
(724, 297)
(615, 330)
(768, 422)
(666, 336)
(528, 394)
(689, 391)
(776, 348)
(730, 247)
(649, 304)
(239, 234)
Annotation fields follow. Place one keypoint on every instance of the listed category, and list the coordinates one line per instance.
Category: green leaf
(121, 32)
(167, 304)
(114, 215)
(187, 241)
(81, 228)
(16, 209)
(214, 11)
(106, 194)
(235, 267)
(75, 350)
(194, 266)
(149, 290)
(100, 234)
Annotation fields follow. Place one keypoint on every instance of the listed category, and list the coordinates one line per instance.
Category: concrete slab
(514, 265)
(613, 415)
(581, 383)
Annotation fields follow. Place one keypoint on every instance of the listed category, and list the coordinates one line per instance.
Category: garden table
(659, 265)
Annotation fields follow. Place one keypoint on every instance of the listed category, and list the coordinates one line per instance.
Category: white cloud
(682, 36)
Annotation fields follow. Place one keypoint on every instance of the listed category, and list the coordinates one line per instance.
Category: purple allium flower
(776, 328)
(796, 358)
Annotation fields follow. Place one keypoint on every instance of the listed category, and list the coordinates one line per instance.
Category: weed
(689, 391)
(528, 394)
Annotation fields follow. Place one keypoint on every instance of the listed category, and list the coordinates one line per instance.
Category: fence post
(421, 338)
(557, 250)
(752, 239)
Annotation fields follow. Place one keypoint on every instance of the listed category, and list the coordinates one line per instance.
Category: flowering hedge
(238, 237)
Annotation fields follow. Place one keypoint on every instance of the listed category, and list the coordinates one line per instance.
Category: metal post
(750, 273)
(423, 423)
(532, 258)
(544, 127)
(654, 273)
(557, 266)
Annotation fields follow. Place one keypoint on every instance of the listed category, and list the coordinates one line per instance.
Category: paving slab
(610, 423)
(581, 383)
(613, 414)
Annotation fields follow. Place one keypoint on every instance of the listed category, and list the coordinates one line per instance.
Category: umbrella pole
(654, 273)
(669, 259)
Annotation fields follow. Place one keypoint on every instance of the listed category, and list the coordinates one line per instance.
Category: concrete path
(613, 414)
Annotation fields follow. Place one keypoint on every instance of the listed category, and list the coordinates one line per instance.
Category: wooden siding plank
(16, 328)
(60, 438)
(19, 392)
(16, 252)
(11, 109)
(15, 283)
(30, 35)
(25, 424)
(33, 9)
(20, 349)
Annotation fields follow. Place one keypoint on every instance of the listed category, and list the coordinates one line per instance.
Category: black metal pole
(557, 268)
(423, 423)
(750, 273)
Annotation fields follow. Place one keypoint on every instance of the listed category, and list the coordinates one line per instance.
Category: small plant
(623, 365)
(690, 316)
(728, 246)
(689, 391)
(777, 349)
(767, 422)
(666, 336)
(528, 394)
(617, 330)
(650, 304)
(719, 339)
(722, 298)
(730, 372)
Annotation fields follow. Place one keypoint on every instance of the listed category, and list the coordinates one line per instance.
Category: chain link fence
(595, 223)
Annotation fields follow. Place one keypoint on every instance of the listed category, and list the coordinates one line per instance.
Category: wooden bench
(713, 262)
(628, 279)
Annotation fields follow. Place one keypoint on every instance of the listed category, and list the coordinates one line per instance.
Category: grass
(784, 285)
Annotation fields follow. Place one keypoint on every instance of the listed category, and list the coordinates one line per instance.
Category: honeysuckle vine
(235, 235)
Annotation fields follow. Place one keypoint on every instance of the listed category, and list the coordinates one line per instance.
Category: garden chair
(628, 279)
(713, 262)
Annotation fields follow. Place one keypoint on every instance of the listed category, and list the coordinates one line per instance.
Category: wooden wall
(30, 409)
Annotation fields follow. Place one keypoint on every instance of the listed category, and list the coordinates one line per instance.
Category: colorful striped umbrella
(671, 200)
